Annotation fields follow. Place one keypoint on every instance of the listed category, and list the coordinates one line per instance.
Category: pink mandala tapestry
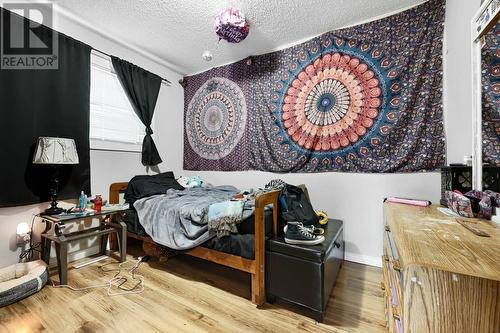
(361, 99)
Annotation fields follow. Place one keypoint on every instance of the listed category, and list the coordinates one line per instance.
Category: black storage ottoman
(305, 275)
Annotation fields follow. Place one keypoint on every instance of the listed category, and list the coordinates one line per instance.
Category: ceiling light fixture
(207, 55)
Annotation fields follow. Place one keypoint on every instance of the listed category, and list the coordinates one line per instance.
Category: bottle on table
(98, 203)
(83, 202)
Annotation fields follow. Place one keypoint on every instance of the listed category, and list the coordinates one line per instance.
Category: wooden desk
(106, 227)
(439, 276)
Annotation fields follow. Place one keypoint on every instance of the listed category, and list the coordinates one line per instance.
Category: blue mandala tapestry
(361, 99)
(490, 58)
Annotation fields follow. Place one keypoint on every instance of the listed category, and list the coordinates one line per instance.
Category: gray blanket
(177, 219)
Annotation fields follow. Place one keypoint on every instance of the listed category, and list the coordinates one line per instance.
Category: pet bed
(21, 280)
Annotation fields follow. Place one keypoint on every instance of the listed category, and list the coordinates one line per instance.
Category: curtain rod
(163, 80)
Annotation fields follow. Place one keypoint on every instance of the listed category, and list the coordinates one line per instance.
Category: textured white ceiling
(178, 31)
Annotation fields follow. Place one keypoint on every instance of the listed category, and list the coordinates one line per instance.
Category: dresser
(439, 277)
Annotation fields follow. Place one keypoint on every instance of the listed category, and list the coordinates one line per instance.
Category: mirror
(490, 107)
(486, 95)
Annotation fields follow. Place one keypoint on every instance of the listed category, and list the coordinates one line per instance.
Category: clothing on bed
(188, 182)
(241, 244)
(145, 186)
(224, 216)
(178, 219)
(130, 218)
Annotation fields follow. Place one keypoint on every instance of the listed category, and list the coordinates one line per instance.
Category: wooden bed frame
(255, 267)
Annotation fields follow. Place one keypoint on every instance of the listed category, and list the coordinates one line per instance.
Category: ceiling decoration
(231, 25)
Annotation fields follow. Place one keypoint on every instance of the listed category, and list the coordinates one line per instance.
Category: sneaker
(308, 227)
(311, 228)
(297, 233)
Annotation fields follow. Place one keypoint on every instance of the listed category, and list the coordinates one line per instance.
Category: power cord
(117, 280)
(28, 254)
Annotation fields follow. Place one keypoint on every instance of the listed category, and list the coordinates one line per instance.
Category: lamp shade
(55, 151)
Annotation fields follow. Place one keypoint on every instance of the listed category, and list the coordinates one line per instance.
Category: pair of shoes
(297, 233)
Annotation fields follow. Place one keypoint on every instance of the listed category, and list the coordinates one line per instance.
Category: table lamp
(55, 151)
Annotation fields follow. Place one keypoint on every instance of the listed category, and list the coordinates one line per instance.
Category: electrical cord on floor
(117, 280)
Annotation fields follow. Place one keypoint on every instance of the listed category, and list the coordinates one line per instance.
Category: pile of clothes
(223, 217)
(473, 203)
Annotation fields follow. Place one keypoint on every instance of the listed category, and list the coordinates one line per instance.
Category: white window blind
(113, 123)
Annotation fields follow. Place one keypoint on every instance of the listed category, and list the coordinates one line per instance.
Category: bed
(215, 251)
(241, 244)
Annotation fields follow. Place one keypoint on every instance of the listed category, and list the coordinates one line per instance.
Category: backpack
(295, 206)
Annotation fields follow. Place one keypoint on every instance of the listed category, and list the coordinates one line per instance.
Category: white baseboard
(363, 259)
(77, 255)
(354, 257)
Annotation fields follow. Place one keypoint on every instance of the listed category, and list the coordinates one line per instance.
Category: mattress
(241, 244)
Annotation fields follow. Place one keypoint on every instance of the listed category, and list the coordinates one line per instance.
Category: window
(113, 123)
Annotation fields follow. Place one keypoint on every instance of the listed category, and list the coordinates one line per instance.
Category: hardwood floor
(187, 294)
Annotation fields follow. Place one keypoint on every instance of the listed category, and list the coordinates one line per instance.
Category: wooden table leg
(113, 238)
(45, 242)
(113, 242)
(104, 244)
(62, 261)
(122, 237)
(104, 238)
(45, 250)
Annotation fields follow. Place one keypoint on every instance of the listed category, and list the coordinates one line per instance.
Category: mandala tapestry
(218, 115)
(490, 58)
(360, 99)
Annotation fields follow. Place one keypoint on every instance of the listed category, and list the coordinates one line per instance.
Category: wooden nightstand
(108, 223)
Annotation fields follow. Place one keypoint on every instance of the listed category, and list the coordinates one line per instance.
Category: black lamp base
(52, 211)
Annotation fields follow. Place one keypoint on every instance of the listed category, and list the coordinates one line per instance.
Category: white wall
(354, 198)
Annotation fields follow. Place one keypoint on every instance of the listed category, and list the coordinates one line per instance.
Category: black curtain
(44, 102)
(142, 88)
